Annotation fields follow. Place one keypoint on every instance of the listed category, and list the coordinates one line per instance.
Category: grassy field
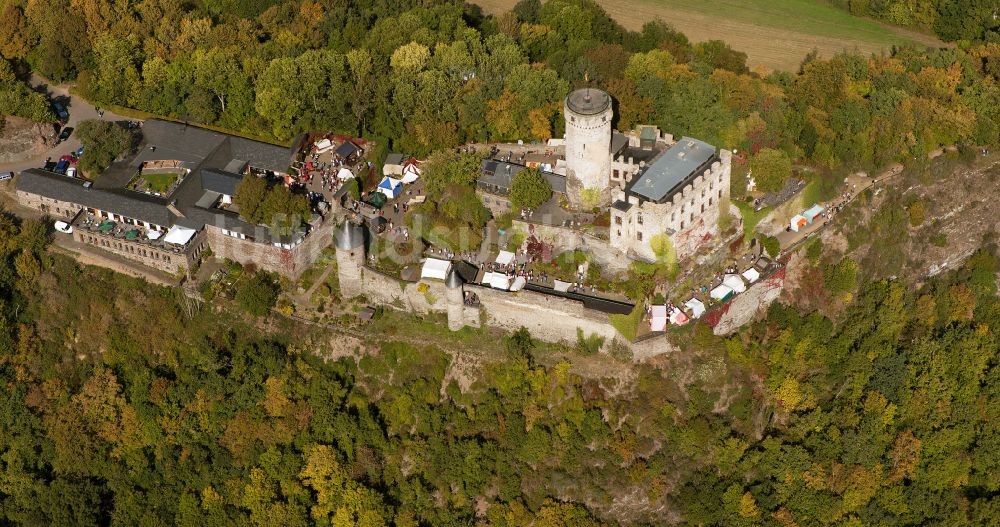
(775, 34)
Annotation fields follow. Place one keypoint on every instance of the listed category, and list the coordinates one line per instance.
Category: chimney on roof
(172, 207)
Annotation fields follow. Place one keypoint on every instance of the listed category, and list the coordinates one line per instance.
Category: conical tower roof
(350, 236)
(453, 280)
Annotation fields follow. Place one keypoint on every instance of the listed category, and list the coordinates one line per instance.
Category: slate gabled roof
(220, 181)
(119, 201)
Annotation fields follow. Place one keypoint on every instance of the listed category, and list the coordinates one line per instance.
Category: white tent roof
(496, 280)
(434, 268)
(153, 234)
(720, 292)
(735, 283)
(505, 258)
(658, 320)
(696, 306)
(562, 286)
(411, 173)
(518, 284)
(751, 275)
(178, 235)
(344, 173)
(323, 144)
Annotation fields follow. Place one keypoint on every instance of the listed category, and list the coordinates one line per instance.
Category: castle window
(638, 219)
(720, 193)
(619, 233)
(618, 220)
(703, 207)
(673, 217)
(710, 202)
(638, 236)
(572, 119)
(703, 193)
(692, 217)
(682, 225)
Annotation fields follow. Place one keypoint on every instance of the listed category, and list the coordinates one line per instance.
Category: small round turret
(350, 236)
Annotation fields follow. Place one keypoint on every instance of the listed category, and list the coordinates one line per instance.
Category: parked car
(71, 171)
(61, 112)
(64, 135)
(62, 226)
(79, 151)
(61, 166)
(4, 176)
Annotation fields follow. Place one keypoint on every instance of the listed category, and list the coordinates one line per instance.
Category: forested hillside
(430, 75)
(125, 403)
(967, 20)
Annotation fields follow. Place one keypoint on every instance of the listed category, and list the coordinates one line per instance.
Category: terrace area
(177, 240)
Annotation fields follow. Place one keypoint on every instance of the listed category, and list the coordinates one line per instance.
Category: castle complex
(655, 189)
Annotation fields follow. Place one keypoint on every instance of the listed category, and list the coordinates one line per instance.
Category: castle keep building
(676, 196)
(588, 146)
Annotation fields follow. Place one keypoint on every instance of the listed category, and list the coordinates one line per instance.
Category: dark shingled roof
(669, 173)
(119, 201)
(347, 149)
(220, 181)
(500, 174)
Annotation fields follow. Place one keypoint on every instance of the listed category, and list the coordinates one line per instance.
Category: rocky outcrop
(22, 139)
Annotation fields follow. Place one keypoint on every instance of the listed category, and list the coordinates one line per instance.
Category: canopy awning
(518, 284)
(154, 235)
(435, 268)
(344, 174)
(721, 293)
(562, 286)
(677, 317)
(505, 258)
(735, 283)
(390, 187)
(658, 319)
(178, 235)
(696, 306)
(497, 280)
(751, 275)
(323, 145)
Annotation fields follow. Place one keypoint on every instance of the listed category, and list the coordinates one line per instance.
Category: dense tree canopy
(103, 142)
(529, 189)
(17, 99)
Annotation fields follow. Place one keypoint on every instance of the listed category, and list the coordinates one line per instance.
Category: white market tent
(562, 286)
(658, 320)
(518, 284)
(323, 145)
(179, 235)
(505, 258)
(154, 235)
(751, 275)
(411, 173)
(677, 317)
(696, 306)
(496, 280)
(435, 268)
(797, 222)
(344, 174)
(721, 293)
(735, 283)
(391, 187)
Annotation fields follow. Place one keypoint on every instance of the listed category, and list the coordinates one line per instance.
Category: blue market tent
(390, 187)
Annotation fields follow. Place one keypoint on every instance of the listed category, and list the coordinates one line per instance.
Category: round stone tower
(350, 245)
(588, 147)
(454, 299)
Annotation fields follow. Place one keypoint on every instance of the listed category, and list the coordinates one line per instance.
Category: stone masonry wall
(549, 318)
(289, 262)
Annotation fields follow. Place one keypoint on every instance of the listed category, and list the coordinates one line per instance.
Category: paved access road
(79, 110)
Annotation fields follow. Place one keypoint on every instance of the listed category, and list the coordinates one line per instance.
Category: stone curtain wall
(550, 318)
